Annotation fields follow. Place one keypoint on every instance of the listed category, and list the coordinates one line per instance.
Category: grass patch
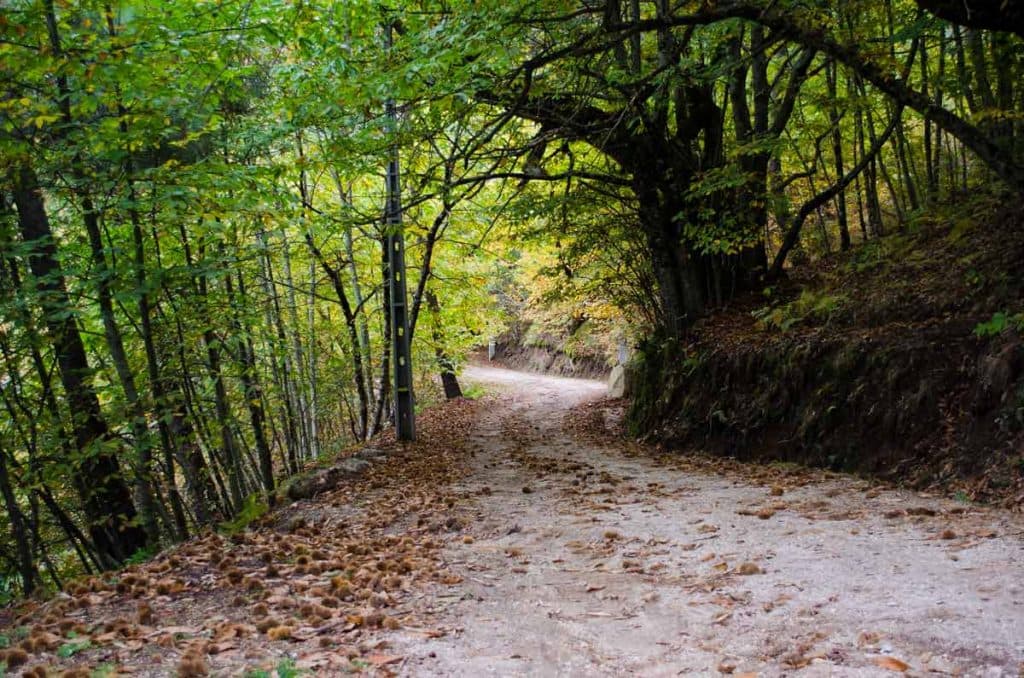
(473, 391)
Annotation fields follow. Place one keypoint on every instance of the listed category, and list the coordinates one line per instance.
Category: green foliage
(999, 323)
(810, 306)
(473, 391)
(142, 555)
(961, 228)
(8, 589)
(286, 668)
(253, 508)
(70, 649)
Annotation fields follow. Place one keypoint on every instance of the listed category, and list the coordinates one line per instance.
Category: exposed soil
(524, 536)
(546, 353)
(869, 360)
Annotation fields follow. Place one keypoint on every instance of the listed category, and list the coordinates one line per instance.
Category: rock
(371, 454)
(325, 480)
(996, 373)
(352, 467)
(618, 382)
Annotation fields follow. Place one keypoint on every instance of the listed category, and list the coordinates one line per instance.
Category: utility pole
(405, 417)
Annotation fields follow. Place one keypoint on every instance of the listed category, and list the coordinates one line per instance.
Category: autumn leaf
(891, 664)
(382, 659)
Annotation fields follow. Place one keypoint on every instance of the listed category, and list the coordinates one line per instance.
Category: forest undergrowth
(901, 358)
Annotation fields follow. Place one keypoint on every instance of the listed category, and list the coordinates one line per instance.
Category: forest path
(585, 556)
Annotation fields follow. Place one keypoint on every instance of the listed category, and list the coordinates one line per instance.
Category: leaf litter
(323, 582)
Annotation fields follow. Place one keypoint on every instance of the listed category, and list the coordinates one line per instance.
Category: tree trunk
(107, 501)
(449, 380)
(251, 386)
(283, 372)
(115, 344)
(156, 384)
(23, 550)
(832, 76)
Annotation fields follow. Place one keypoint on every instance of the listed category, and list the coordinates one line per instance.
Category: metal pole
(405, 417)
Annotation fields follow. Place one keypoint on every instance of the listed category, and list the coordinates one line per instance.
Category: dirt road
(583, 557)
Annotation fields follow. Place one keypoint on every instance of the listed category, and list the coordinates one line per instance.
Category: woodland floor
(522, 536)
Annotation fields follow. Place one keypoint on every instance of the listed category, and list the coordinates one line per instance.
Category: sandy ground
(586, 556)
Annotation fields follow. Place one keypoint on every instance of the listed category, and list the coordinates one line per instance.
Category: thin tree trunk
(314, 432)
(251, 385)
(384, 393)
(793, 232)
(231, 461)
(297, 359)
(874, 209)
(16, 519)
(449, 380)
(929, 168)
(156, 382)
(345, 197)
(837, 154)
(280, 348)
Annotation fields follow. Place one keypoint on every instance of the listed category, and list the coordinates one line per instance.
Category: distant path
(588, 559)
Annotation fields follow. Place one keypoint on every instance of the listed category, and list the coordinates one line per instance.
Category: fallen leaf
(383, 659)
(427, 633)
(175, 630)
(891, 664)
